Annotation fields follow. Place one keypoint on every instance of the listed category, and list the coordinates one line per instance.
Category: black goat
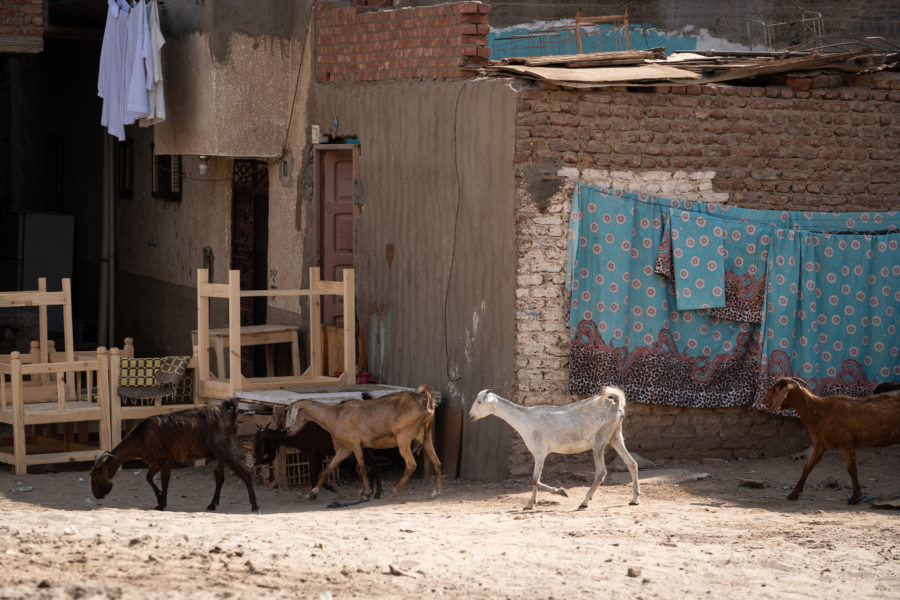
(314, 443)
(204, 432)
(887, 386)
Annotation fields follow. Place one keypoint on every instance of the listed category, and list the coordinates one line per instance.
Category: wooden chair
(142, 387)
(41, 299)
(44, 393)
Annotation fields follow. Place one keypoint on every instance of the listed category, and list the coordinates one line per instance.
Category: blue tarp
(694, 304)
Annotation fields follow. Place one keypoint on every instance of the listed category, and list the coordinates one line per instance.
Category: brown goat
(315, 444)
(204, 432)
(397, 420)
(838, 422)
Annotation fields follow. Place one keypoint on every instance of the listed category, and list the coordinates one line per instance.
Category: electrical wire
(450, 377)
(287, 131)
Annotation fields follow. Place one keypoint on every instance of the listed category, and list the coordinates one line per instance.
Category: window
(166, 176)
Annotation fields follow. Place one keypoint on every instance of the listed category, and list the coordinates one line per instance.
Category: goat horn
(799, 381)
(101, 455)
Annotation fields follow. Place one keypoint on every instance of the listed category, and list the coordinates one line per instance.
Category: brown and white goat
(314, 443)
(400, 420)
(838, 422)
(203, 432)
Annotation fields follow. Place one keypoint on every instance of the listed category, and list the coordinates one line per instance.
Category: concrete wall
(237, 90)
(757, 147)
(436, 185)
(231, 74)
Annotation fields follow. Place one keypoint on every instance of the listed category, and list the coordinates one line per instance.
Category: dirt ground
(698, 533)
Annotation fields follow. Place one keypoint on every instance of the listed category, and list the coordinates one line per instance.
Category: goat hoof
(634, 502)
(793, 496)
(159, 507)
(853, 501)
(561, 492)
(211, 507)
(254, 509)
(528, 507)
(582, 506)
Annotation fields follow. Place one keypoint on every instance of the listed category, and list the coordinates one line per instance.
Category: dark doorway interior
(249, 249)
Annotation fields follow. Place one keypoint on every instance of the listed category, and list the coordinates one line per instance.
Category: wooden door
(249, 248)
(336, 235)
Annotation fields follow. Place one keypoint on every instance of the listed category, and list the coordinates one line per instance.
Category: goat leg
(160, 498)
(361, 469)
(435, 465)
(406, 452)
(336, 460)
(537, 484)
(219, 475)
(599, 450)
(618, 444)
(240, 469)
(817, 452)
(315, 469)
(850, 457)
(372, 466)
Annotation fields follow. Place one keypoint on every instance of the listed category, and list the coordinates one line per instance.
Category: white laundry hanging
(157, 100)
(130, 76)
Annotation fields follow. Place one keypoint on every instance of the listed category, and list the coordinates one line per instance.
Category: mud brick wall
(430, 42)
(774, 147)
(21, 25)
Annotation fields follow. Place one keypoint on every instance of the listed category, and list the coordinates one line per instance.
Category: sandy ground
(698, 533)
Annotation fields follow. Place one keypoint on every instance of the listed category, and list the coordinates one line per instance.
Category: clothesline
(130, 79)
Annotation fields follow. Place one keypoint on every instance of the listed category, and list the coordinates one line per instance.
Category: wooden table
(256, 335)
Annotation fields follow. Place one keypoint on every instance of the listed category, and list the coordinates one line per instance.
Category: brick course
(22, 18)
(774, 147)
(431, 42)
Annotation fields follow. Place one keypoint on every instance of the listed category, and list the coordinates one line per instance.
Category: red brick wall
(770, 147)
(757, 147)
(431, 42)
(19, 21)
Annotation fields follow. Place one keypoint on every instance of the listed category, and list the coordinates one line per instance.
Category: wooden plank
(61, 457)
(60, 367)
(349, 375)
(18, 420)
(623, 57)
(68, 336)
(234, 331)
(31, 298)
(202, 350)
(315, 324)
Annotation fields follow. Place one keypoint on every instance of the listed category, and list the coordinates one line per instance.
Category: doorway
(336, 232)
(249, 249)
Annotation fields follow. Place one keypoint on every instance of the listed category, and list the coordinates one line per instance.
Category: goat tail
(430, 403)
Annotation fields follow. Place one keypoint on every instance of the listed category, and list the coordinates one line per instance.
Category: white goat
(591, 424)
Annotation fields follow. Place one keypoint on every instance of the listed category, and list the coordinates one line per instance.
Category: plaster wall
(227, 96)
(231, 77)
(435, 240)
